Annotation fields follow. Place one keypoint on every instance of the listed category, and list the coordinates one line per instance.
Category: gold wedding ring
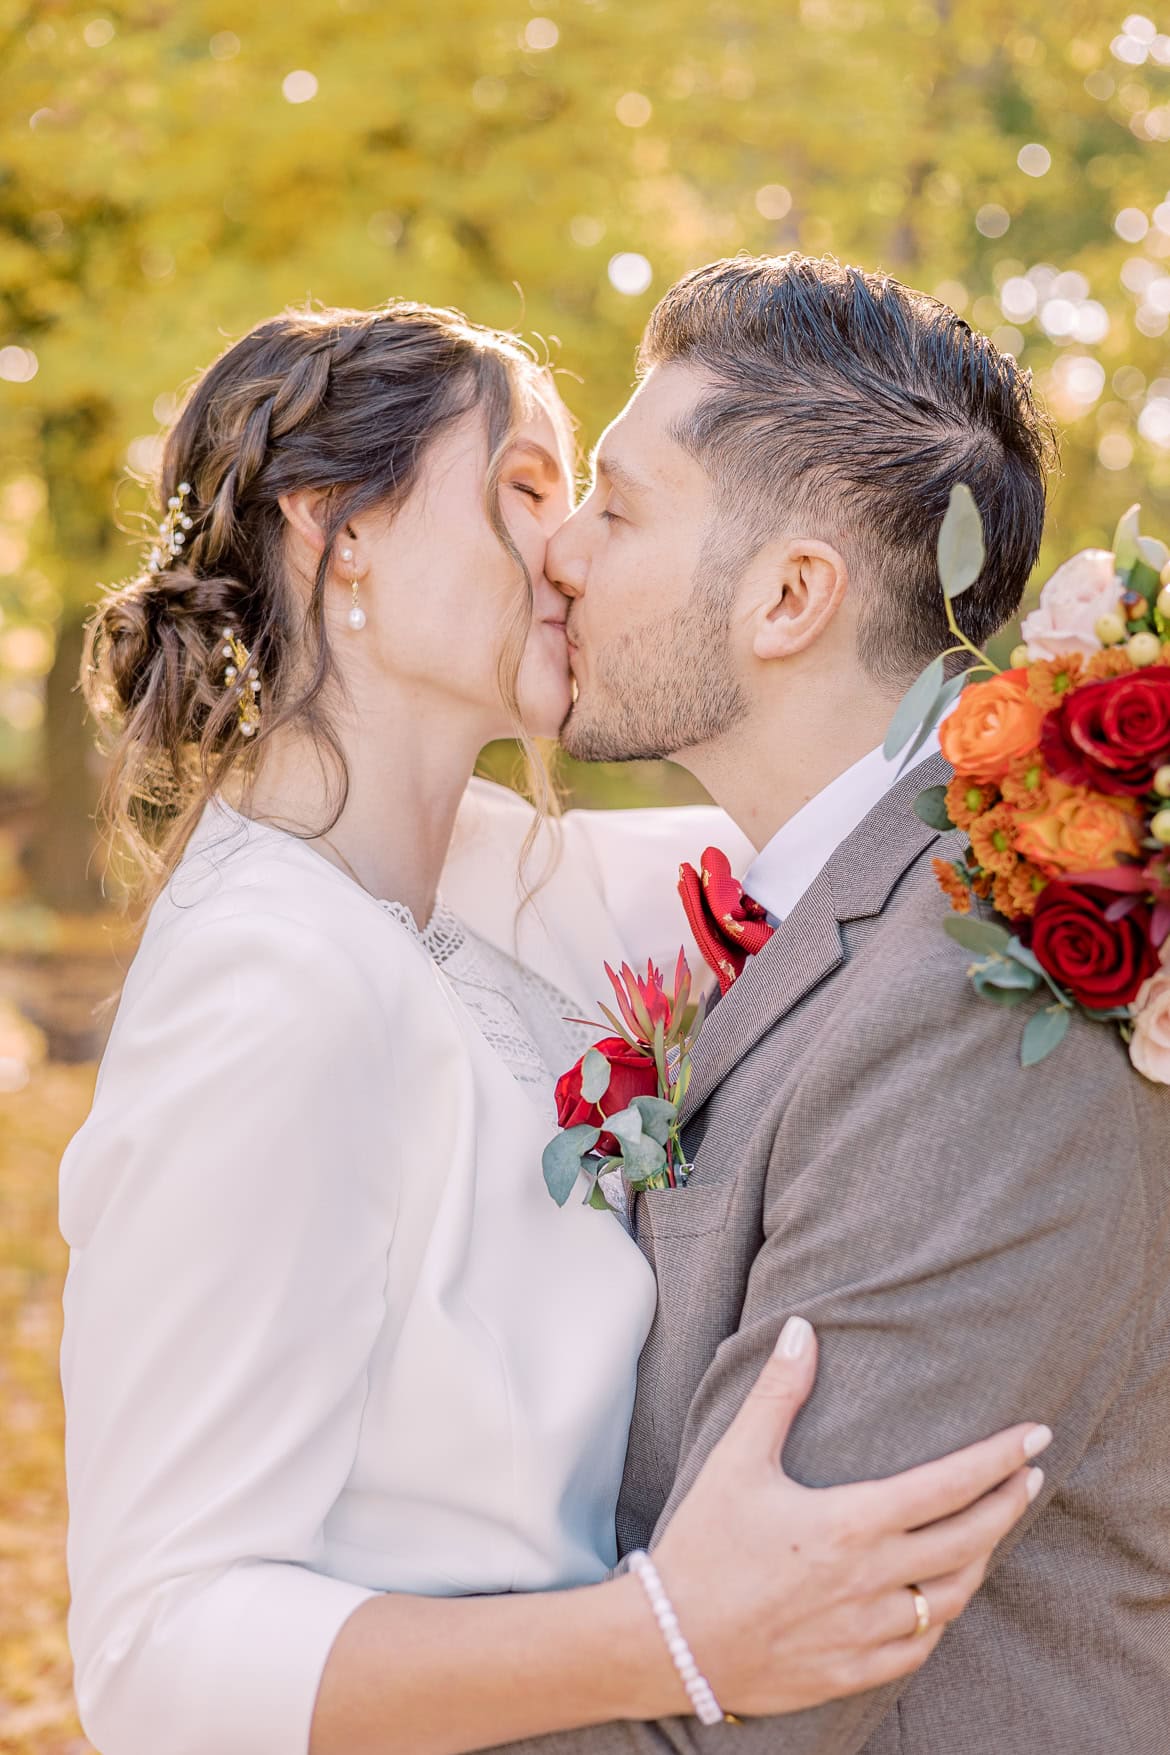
(921, 1612)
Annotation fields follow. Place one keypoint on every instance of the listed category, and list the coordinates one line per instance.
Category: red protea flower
(644, 1002)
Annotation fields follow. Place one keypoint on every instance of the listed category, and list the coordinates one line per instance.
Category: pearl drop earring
(357, 615)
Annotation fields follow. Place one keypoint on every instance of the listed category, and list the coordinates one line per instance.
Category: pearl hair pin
(238, 667)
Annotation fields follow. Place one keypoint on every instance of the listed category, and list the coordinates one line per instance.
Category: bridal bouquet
(618, 1107)
(1062, 784)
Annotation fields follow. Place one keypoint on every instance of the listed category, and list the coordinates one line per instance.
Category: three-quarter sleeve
(229, 1207)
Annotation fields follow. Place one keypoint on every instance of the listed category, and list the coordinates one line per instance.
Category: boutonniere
(618, 1106)
(1062, 783)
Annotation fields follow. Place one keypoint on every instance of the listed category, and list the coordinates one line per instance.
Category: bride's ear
(800, 585)
(304, 511)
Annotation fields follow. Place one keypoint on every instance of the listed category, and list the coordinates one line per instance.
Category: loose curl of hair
(342, 401)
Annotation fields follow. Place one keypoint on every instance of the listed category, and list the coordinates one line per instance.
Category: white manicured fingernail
(1035, 1482)
(1038, 1439)
(794, 1338)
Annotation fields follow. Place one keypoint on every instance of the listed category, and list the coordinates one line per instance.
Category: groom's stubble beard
(666, 686)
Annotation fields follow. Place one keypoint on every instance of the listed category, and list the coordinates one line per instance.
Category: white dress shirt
(785, 867)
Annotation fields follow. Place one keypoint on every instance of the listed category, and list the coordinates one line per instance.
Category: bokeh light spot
(18, 365)
(1034, 160)
(299, 87)
(586, 231)
(541, 34)
(774, 201)
(1131, 224)
(98, 32)
(633, 109)
(992, 220)
(223, 45)
(630, 273)
(1115, 450)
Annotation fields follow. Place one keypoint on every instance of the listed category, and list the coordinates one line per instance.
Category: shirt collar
(783, 869)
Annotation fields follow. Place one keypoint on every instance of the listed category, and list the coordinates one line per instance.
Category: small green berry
(1110, 630)
(1162, 781)
(1144, 649)
(1164, 602)
(1019, 658)
(1160, 827)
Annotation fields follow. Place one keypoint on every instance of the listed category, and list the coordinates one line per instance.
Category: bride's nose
(564, 564)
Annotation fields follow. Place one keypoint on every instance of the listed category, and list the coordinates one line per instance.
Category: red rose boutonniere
(1062, 783)
(618, 1107)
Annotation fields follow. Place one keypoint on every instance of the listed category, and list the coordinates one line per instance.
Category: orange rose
(1080, 831)
(993, 725)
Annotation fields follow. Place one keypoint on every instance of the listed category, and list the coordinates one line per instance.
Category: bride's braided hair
(344, 401)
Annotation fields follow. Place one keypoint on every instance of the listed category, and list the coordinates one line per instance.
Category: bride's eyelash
(526, 488)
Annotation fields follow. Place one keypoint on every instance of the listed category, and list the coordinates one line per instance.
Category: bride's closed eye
(526, 487)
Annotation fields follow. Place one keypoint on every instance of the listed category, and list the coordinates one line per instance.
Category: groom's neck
(787, 750)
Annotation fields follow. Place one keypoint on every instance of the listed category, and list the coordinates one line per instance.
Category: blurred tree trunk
(78, 457)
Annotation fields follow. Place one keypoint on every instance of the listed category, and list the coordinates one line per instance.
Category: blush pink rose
(1149, 1048)
(1073, 601)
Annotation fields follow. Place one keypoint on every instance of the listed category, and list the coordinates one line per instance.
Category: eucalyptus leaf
(1004, 995)
(658, 1117)
(1125, 539)
(596, 1073)
(931, 806)
(1153, 552)
(1043, 1032)
(982, 936)
(596, 1198)
(950, 691)
(960, 542)
(1021, 954)
(625, 1125)
(913, 708)
(642, 1158)
(1002, 973)
(561, 1160)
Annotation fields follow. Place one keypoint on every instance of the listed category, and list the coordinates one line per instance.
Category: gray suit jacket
(975, 1244)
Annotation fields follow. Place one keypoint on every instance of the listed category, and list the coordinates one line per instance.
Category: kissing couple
(370, 1446)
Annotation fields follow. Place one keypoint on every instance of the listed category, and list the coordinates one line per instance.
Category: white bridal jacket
(325, 1333)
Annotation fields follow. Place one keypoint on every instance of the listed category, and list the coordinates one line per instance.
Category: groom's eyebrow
(617, 474)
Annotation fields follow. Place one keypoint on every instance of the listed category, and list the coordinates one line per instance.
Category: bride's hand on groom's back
(792, 1595)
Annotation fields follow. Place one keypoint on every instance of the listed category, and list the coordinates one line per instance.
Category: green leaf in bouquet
(1003, 995)
(982, 936)
(960, 542)
(1152, 552)
(1004, 975)
(931, 806)
(642, 1158)
(1043, 1032)
(950, 691)
(596, 1073)
(913, 708)
(1125, 539)
(626, 1124)
(596, 1198)
(1144, 578)
(658, 1117)
(561, 1160)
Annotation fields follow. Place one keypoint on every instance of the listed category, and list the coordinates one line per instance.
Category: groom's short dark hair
(853, 403)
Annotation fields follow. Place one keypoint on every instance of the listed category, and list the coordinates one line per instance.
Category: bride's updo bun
(342, 401)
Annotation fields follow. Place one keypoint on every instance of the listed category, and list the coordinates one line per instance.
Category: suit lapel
(807, 945)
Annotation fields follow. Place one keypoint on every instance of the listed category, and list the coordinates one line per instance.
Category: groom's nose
(565, 563)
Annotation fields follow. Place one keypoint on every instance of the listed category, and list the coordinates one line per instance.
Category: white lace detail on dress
(524, 1018)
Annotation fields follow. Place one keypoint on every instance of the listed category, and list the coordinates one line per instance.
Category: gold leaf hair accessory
(241, 674)
(172, 530)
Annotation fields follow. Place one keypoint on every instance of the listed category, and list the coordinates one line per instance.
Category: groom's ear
(799, 585)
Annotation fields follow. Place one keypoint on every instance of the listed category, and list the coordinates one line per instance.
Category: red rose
(728, 926)
(1111, 736)
(631, 1075)
(1102, 962)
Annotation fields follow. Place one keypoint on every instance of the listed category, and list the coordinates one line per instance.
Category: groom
(753, 584)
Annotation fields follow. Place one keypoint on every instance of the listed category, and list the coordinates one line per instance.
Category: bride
(346, 1394)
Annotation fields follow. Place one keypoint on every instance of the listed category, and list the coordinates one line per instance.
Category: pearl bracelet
(707, 1709)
